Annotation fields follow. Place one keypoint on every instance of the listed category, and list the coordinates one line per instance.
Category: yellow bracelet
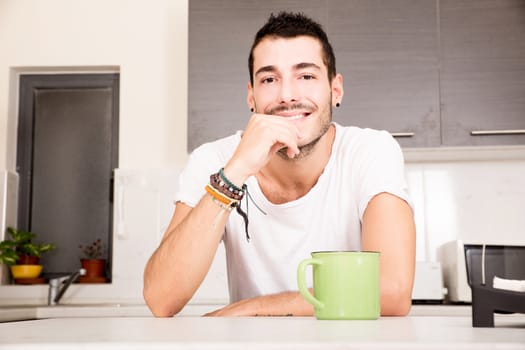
(220, 197)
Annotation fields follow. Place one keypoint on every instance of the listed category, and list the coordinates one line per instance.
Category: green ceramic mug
(345, 284)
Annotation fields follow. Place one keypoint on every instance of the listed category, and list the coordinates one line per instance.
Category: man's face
(290, 80)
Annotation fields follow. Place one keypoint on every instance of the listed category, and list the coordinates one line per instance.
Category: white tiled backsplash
(472, 201)
(468, 200)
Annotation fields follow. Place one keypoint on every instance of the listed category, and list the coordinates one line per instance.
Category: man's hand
(263, 137)
(282, 304)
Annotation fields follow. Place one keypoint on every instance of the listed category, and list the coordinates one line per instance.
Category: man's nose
(289, 91)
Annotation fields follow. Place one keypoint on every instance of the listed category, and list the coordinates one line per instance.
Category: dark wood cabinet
(483, 72)
(430, 71)
(386, 51)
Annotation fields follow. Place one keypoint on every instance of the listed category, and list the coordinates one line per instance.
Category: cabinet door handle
(402, 134)
(497, 132)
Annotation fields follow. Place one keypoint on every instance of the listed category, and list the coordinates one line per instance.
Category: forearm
(397, 276)
(396, 298)
(282, 304)
(389, 228)
(180, 263)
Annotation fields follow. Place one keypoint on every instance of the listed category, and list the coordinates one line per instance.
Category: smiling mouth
(296, 116)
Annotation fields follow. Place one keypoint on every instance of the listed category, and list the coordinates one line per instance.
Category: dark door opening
(66, 156)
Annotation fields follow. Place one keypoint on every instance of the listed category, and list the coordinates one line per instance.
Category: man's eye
(268, 80)
(307, 77)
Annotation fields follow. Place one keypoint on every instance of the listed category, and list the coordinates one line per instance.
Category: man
(312, 185)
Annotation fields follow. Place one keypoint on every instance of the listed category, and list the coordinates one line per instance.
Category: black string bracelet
(244, 214)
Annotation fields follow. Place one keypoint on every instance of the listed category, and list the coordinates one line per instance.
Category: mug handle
(301, 282)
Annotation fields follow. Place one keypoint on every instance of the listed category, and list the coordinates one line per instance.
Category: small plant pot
(25, 271)
(94, 267)
(28, 260)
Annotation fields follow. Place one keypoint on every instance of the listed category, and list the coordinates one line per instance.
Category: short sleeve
(205, 160)
(381, 169)
(195, 176)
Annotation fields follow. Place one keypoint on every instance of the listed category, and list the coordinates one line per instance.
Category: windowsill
(78, 293)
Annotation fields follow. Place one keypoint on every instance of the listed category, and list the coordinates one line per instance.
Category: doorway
(67, 150)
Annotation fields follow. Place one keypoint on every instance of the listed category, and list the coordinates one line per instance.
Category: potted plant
(21, 254)
(93, 262)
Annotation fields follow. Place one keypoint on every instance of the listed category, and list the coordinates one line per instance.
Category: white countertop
(414, 332)
(31, 312)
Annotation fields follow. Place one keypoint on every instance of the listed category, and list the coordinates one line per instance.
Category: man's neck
(284, 180)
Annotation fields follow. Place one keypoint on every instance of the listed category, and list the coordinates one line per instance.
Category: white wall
(472, 194)
(146, 41)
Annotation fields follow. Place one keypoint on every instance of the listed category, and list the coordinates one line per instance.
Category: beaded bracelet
(222, 187)
(230, 184)
(226, 194)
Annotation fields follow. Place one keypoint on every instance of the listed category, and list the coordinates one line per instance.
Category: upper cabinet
(483, 72)
(432, 72)
(387, 53)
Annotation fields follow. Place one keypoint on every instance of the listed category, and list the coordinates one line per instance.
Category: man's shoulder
(356, 136)
(222, 145)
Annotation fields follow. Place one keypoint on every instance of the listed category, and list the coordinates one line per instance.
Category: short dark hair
(291, 25)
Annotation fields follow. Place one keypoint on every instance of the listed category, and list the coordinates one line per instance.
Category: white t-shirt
(363, 163)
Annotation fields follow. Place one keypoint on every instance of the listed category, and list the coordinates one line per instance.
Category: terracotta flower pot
(28, 260)
(94, 267)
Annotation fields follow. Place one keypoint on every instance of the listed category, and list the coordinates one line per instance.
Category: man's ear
(337, 90)
(249, 97)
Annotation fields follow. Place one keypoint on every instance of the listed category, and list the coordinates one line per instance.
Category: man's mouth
(296, 116)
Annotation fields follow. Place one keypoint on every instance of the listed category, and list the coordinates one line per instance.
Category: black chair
(483, 263)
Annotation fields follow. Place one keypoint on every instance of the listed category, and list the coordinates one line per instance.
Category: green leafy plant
(95, 250)
(21, 243)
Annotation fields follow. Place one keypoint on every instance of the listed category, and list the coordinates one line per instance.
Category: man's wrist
(234, 175)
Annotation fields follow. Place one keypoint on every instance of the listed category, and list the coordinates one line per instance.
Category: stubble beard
(306, 150)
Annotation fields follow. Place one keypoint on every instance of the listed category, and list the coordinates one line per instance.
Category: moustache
(286, 108)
